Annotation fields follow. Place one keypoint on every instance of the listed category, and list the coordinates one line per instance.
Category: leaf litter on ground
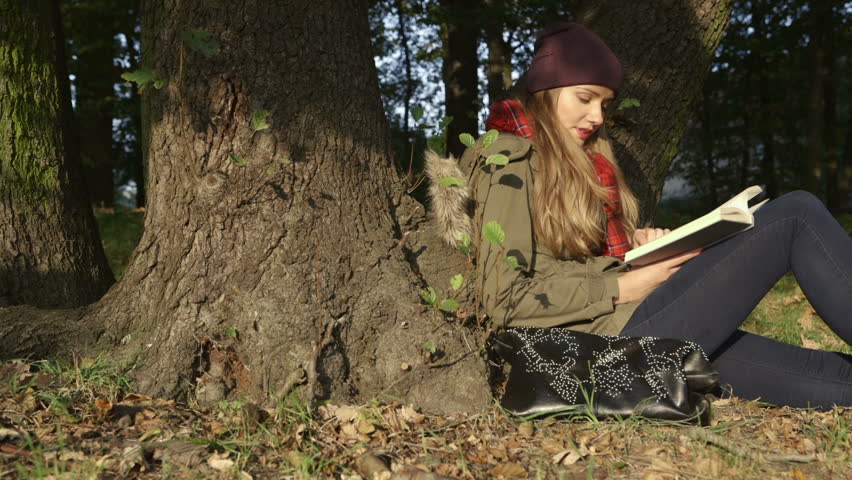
(57, 423)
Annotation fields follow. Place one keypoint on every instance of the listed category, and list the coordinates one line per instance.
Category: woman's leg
(783, 374)
(711, 295)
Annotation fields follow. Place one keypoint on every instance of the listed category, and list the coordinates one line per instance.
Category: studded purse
(560, 371)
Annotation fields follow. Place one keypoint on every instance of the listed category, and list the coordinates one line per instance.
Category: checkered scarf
(509, 116)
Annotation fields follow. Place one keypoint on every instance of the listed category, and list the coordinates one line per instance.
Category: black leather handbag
(560, 371)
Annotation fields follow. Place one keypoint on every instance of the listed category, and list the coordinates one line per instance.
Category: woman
(569, 217)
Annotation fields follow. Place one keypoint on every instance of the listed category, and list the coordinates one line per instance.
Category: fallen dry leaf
(220, 462)
(510, 469)
(567, 457)
(798, 475)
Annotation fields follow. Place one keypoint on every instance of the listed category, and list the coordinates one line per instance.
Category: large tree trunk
(666, 48)
(278, 246)
(50, 251)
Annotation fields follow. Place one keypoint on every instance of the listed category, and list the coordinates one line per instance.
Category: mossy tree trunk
(50, 251)
(666, 49)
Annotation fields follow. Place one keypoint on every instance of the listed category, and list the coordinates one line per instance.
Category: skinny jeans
(711, 295)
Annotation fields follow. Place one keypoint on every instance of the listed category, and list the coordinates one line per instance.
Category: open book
(731, 218)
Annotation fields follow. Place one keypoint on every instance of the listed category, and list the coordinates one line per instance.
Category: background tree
(50, 251)
(776, 105)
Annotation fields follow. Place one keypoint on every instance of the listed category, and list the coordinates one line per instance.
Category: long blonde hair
(568, 213)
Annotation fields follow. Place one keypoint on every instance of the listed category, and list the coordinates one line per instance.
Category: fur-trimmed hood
(453, 204)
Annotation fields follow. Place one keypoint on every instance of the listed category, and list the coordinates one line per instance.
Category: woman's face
(580, 108)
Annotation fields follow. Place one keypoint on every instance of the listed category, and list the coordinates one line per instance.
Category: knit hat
(570, 54)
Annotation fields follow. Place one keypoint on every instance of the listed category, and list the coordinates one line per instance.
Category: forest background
(774, 109)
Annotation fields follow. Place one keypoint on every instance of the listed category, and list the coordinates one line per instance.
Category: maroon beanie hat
(570, 54)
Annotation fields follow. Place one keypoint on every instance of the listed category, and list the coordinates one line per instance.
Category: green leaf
(493, 232)
(467, 140)
(231, 332)
(449, 305)
(489, 138)
(428, 295)
(456, 281)
(628, 102)
(285, 161)
(200, 41)
(417, 113)
(497, 159)
(259, 120)
(423, 126)
(436, 144)
(238, 160)
(512, 262)
(158, 84)
(141, 77)
(270, 170)
(429, 347)
(451, 182)
(445, 122)
(464, 244)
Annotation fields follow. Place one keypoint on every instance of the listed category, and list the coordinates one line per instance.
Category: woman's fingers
(682, 258)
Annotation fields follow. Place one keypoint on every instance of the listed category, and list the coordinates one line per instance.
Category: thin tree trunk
(460, 71)
(708, 150)
(815, 159)
(91, 61)
(50, 250)
(835, 198)
(499, 54)
(666, 49)
(406, 57)
(745, 135)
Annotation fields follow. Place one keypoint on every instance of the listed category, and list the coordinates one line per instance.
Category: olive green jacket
(542, 291)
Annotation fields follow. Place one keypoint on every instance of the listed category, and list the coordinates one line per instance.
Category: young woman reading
(569, 218)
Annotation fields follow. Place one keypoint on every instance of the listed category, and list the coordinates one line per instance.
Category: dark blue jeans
(708, 299)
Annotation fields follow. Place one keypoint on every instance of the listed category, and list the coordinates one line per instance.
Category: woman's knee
(803, 202)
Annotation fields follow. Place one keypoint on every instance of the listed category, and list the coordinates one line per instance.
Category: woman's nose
(596, 115)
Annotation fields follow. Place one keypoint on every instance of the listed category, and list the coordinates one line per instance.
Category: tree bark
(460, 70)
(499, 54)
(50, 250)
(279, 246)
(814, 171)
(665, 48)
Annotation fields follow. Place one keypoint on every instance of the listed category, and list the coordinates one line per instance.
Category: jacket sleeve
(541, 291)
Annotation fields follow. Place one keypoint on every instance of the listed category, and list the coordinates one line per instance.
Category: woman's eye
(584, 100)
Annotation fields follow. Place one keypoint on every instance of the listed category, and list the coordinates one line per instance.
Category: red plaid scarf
(509, 116)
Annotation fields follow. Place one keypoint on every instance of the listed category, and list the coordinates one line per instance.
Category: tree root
(317, 348)
(750, 452)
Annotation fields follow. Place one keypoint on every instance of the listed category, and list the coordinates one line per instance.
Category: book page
(730, 218)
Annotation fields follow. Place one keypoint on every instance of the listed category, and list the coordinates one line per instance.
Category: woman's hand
(641, 236)
(641, 281)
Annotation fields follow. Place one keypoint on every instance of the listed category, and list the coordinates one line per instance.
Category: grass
(120, 231)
